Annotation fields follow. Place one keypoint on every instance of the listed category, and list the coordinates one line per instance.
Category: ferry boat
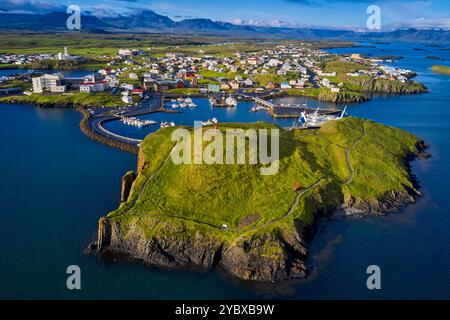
(315, 120)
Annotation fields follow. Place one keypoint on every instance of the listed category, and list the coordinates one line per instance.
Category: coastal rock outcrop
(127, 182)
(386, 86)
(262, 257)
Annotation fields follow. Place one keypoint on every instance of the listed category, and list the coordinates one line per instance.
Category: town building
(48, 82)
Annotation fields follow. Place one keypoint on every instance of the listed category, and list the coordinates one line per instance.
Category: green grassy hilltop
(352, 161)
(441, 69)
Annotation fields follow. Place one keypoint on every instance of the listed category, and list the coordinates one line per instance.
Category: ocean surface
(56, 183)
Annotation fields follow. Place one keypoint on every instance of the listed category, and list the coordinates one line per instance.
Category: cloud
(423, 23)
(30, 6)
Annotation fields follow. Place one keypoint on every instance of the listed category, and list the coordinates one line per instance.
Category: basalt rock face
(159, 250)
(262, 258)
(250, 259)
(328, 96)
(127, 182)
(386, 86)
(390, 202)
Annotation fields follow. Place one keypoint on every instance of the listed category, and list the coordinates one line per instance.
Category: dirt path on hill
(255, 227)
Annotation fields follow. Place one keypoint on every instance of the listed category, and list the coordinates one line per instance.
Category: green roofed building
(213, 88)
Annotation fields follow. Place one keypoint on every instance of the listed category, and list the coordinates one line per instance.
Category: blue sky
(330, 13)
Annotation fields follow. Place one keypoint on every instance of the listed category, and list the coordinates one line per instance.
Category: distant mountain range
(149, 21)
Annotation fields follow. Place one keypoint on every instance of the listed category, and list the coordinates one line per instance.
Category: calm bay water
(57, 183)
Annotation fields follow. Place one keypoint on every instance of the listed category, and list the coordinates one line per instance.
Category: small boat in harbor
(210, 122)
(167, 124)
(188, 100)
(135, 122)
(183, 104)
(175, 105)
(192, 105)
(255, 109)
(180, 99)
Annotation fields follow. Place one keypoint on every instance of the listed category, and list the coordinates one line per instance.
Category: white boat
(180, 99)
(210, 122)
(175, 105)
(133, 121)
(255, 108)
(167, 124)
(188, 100)
(192, 105)
(315, 120)
(183, 104)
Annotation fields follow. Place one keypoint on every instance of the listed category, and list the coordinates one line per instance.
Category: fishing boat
(255, 108)
(230, 101)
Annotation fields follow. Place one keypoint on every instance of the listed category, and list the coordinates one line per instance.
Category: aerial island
(252, 226)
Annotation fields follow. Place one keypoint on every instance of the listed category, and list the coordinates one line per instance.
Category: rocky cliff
(386, 86)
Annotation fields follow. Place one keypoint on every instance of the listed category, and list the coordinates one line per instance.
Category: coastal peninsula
(252, 226)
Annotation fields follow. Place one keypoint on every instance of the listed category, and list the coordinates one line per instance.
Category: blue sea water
(66, 73)
(56, 183)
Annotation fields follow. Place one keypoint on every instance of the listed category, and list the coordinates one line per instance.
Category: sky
(342, 14)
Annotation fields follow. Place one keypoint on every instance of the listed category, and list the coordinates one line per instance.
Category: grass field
(77, 98)
(225, 194)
